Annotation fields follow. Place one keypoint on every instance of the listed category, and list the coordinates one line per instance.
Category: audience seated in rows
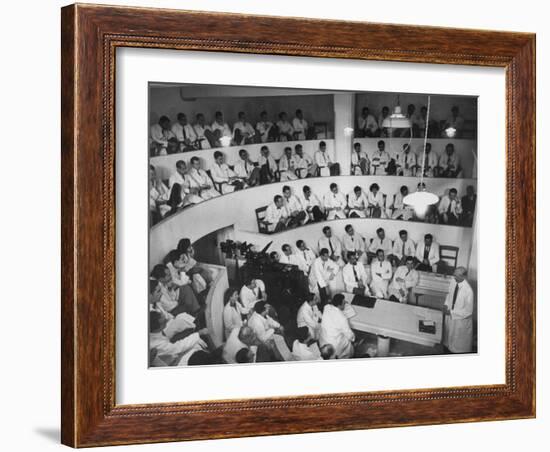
(167, 138)
(405, 162)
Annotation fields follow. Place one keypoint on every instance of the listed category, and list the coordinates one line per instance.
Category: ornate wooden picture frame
(90, 37)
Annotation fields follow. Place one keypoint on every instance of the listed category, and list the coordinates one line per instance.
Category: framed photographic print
(281, 225)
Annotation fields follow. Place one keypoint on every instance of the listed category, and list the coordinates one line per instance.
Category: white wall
(167, 101)
(463, 148)
(238, 208)
(166, 164)
(444, 235)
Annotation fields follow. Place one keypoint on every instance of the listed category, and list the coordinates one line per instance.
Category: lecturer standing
(459, 307)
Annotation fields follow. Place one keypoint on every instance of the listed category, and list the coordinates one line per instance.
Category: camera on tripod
(232, 249)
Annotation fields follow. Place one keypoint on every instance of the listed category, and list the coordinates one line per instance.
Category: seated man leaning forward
(427, 254)
(357, 203)
(247, 170)
(310, 316)
(405, 279)
(262, 324)
(301, 350)
(335, 329)
(324, 163)
(322, 275)
(225, 176)
(355, 276)
(277, 216)
(298, 215)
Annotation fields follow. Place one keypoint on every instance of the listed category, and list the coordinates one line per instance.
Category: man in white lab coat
(357, 203)
(332, 244)
(403, 247)
(199, 182)
(354, 242)
(246, 169)
(225, 176)
(335, 328)
(312, 205)
(287, 165)
(427, 254)
(399, 210)
(381, 274)
(243, 132)
(305, 254)
(294, 207)
(459, 306)
(184, 133)
(376, 203)
(251, 292)
(405, 160)
(265, 129)
(324, 163)
(380, 242)
(335, 203)
(405, 279)
(300, 126)
(262, 324)
(450, 208)
(303, 163)
(323, 273)
(277, 216)
(310, 316)
(355, 276)
(360, 163)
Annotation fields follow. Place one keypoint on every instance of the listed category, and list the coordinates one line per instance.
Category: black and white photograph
(289, 224)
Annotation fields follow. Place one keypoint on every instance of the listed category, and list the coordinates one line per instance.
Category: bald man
(459, 308)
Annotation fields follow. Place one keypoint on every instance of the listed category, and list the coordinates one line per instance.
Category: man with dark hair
(431, 162)
(285, 129)
(450, 209)
(405, 279)
(468, 206)
(277, 216)
(262, 324)
(243, 132)
(335, 328)
(325, 165)
(427, 254)
(381, 273)
(323, 273)
(376, 204)
(199, 182)
(449, 163)
(312, 205)
(379, 160)
(399, 210)
(287, 165)
(174, 299)
(303, 163)
(162, 138)
(300, 126)
(403, 247)
(301, 350)
(354, 242)
(205, 137)
(296, 211)
(225, 176)
(221, 131)
(309, 316)
(189, 264)
(357, 203)
(335, 203)
(360, 162)
(265, 130)
(405, 162)
(355, 277)
(268, 166)
(167, 352)
(305, 254)
(332, 244)
(247, 170)
(253, 290)
(184, 133)
(367, 125)
(380, 242)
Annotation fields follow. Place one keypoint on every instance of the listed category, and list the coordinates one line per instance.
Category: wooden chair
(260, 219)
(448, 259)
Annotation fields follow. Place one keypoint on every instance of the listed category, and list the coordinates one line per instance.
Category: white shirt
(232, 317)
(307, 256)
(199, 132)
(177, 130)
(335, 330)
(357, 203)
(198, 179)
(168, 299)
(275, 214)
(309, 316)
(399, 245)
(322, 159)
(333, 245)
(309, 203)
(433, 255)
(159, 135)
(249, 297)
(223, 128)
(293, 204)
(232, 346)
(335, 201)
(264, 327)
(323, 272)
(410, 278)
(300, 126)
(243, 168)
(430, 162)
(350, 279)
(301, 352)
(263, 128)
(287, 163)
(354, 242)
(405, 162)
(379, 161)
(375, 200)
(285, 127)
(272, 163)
(380, 244)
(459, 325)
(451, 162)
(221, 173)
(168, 351)
(357, 157)
(446, 205)
(380, 271)
(368, 123)
(304, 162)
(245, 127)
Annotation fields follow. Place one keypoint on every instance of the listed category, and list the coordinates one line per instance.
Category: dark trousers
(323, 294)
(240, 140)
(317, 214)
(335, 169)
(254, 178)
(297, 219)
(266, 175)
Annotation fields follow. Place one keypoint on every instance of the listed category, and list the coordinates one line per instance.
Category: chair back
(260, 219)
(448, 259)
